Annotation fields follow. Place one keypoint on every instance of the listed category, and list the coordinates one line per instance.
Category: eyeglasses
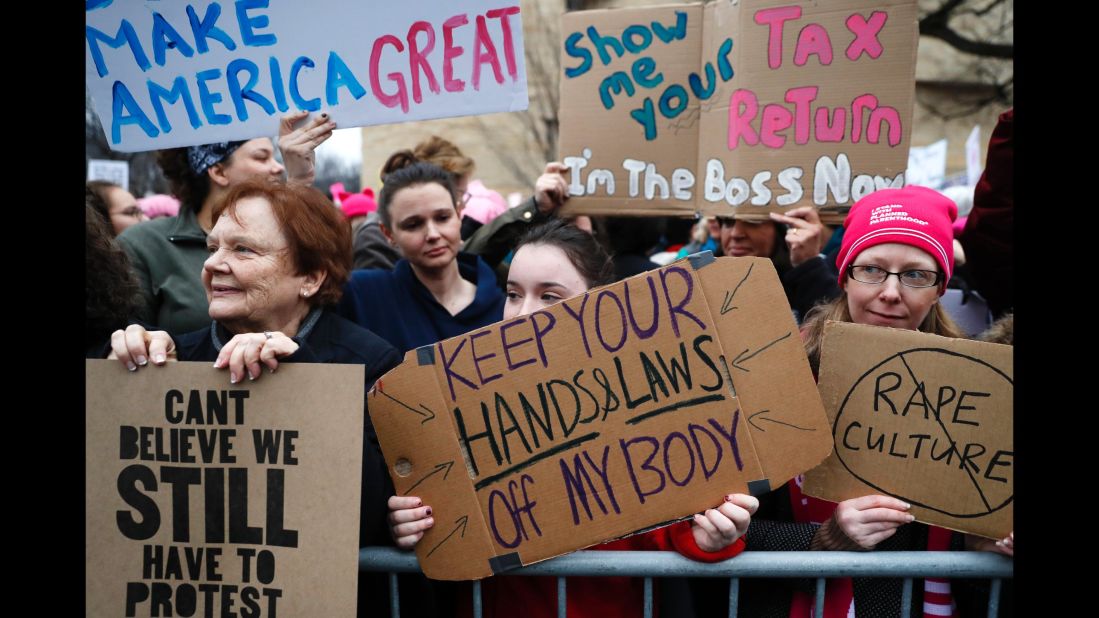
(915, 278)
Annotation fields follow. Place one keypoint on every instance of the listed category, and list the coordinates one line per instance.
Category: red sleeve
(683, 541)
(678, 538)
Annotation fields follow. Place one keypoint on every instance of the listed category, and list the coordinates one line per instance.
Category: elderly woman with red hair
(279, 256)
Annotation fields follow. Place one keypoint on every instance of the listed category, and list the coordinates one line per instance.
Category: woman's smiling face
(249, 281)
(890, 303)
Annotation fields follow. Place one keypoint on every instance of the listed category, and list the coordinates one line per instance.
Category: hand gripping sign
(207, 499)
(923, 418)
(635, 405)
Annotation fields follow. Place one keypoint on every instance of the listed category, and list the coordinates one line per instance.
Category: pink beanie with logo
(915, 216)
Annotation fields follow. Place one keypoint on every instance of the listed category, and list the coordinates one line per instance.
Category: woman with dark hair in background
(115, 205)
(167, 254)
(493, 240)
(111, 295)
(433, 292)
(372, 248)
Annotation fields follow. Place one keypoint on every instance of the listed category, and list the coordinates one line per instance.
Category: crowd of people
(259, 268)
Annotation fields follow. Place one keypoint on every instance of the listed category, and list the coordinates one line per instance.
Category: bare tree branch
(937, 25)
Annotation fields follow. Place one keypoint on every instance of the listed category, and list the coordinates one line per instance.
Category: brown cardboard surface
(930, 392)
(303, 562)
(634, 405)
(767, 174)
(614, 136)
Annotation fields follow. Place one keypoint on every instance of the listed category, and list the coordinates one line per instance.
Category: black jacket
(332, 339)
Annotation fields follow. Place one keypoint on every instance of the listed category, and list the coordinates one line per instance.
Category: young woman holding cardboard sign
(895, 262)
(552, 262)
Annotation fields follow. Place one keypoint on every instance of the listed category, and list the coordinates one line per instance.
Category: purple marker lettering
(448, 361)
(731, 437)
(655, 304)
(625, 445)
(603, 472)
(477, 359)
(541, 332)
(678, 308)
(508, 345)
(599, 320)
(694, 430)
(579, 317)
(576, 488)
(668, 462)
(493, 496)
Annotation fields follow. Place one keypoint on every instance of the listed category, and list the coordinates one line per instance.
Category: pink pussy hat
(357, 204)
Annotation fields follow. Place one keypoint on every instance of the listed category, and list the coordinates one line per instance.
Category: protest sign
(973, 165)
(171, 74)
(923, 418)
(736, 107)
(635, 405)
(927, 165)
(117, 172)
(205, 499)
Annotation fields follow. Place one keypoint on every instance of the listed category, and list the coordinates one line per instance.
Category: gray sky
(345, 144)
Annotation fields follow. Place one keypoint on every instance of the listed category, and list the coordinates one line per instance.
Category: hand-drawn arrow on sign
(427, 413)
(461, 521)
(761, 414)
(744, 356)
(726, 304)
(446, 465)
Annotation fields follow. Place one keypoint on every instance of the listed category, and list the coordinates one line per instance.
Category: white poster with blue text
(168, 74)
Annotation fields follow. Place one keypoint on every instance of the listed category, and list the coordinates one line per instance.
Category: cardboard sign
(117, 172)
(204, 498)
(927, 165)
(168, 74)
(630, 407)
(736, 107)
(973, 165)
(924, 418)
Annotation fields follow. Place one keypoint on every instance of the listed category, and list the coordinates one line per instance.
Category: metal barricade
(650, 564)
